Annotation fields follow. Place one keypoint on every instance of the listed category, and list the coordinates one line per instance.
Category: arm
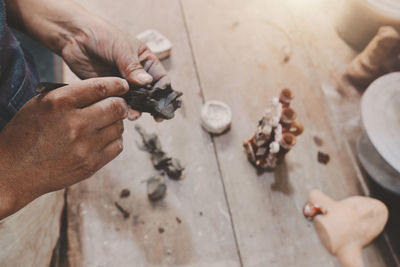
(91, 46)
(53, 23)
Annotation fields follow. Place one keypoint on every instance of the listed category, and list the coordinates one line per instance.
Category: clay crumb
(156, 188)
(124, 193)
(124, 212)
(161, 230)
(318, 141)
(178, 220)
(323, 158)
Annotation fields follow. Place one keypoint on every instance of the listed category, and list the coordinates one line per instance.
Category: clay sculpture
(369, 64)
(159, 158)
(346, 226)
(275, 135)
(159, 102)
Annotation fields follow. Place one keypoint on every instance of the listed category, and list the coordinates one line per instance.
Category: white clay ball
(216, 117)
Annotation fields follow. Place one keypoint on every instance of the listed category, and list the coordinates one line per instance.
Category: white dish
(380, 115)
(216, 117)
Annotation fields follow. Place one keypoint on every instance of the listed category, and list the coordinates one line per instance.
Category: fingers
(132, 70)
(86, 92)
(110, 152)
(154, 67)
(106, 112)
(110, 133)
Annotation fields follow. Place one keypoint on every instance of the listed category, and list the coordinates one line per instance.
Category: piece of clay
(124, 193)
(159, 102)
(348, 225)
(310, 210)
(124, 212)
(158, 44)
(323, 157)
(159, 158)
(156, 188)
(275, 135)
(216, 117)
(367, 66)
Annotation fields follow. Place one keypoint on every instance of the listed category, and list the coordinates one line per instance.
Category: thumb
(133, 71)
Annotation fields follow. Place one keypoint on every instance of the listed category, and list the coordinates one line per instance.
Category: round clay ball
(216, 117)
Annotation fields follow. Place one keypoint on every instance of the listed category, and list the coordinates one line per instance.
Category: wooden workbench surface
(222, 213)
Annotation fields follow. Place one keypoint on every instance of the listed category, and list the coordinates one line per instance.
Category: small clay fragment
(318, 141)
(159, 158)
(124, 212)
(310, 210)
(323, 158)
(161, 230)
(156, 188)
(124, 193)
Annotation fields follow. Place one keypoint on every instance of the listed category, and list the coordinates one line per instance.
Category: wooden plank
(194, 217)
(239, 48)
(28, 237)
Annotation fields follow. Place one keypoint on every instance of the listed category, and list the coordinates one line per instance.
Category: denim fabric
(18, 75)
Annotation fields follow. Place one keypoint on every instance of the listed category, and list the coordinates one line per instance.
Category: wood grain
(191, 226)
(29, 236)
(249, 41)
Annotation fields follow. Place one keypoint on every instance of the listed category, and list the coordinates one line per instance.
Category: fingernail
(144, 78)
(125, 84)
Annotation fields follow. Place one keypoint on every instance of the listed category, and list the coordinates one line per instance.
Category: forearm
(53, 23)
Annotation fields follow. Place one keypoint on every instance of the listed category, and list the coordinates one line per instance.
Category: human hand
(60, 138)
(100, 49)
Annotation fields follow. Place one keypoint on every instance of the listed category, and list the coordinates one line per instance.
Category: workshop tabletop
(222, 213)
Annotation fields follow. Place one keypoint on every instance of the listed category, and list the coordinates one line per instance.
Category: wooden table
(222, 213)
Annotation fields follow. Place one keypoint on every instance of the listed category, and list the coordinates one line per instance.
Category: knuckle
(120, 146)
(82, 153)
(118, 106)
(133, 66)
(53, 101)
(99, 87)
(75, 128)
(90, 165)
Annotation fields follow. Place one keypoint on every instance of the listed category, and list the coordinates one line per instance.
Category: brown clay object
(156, 188)
(367, 66)
(159, 158)
(348, 225)
(275, 134)
(160, 102)
(323, 157)
(124, 193)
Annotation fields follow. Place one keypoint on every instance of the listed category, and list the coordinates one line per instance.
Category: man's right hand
(59, 139)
